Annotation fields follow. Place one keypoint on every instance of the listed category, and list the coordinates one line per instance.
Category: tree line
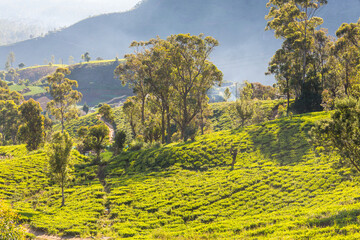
(170, 78)
(312, 66)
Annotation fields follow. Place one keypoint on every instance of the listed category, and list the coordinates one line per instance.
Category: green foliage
(341, 132)
(86, 57)
(31, 131)
(97, 139)
(85, 108)
(7, 95)
(9, 120)
(62, 107)
(181, 98)
(279, 188)
(119, 143)
(107, 113)
(9, 230)
(227, 94)
(85, 121)
(60, 150)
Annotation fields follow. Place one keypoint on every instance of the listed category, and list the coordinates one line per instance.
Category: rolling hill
(96, 81)
(239, 26)
(279, 189)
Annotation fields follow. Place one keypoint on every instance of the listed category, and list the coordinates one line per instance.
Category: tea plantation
(279, 188)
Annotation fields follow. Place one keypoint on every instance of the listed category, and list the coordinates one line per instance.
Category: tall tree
(131, 111)
(193, 75)
(86, 57)
(152, 65)
(9, 120)
(132, 72)
(289, 18)
(347, 51)
(244, 107)
(63, 104)
(60, 156)
(227, 94)
(32, 130)
(11, 58)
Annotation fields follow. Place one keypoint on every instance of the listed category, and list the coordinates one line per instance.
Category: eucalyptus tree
(133, 73)
(193, 75)
(148, 71)
(177, 72)
(347, 51)
(295, 20)
(63, 104)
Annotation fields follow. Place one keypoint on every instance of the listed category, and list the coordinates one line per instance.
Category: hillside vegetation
(279, 188)
(96, 80)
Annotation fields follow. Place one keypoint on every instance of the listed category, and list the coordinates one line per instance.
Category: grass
(34, 90)
(280, 188)
(72, 126)
(224, 118)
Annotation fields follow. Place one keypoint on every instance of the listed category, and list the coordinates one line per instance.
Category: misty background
(245, 48)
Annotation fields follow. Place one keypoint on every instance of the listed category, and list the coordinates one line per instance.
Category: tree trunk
(184, 120)
(288, 97)
(346, 80)
(143, 112)
(183, 134)
(304, 56)
(163, 140)
(168, 138)
(62, 193)
(133, 128)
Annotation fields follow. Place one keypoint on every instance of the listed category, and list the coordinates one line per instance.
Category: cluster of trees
(341, 132)
(20, 121)
(312, 66)
(24, 122)
(170, 79)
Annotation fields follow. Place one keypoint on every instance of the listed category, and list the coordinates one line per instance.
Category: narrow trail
(111, 128)
(40, 235)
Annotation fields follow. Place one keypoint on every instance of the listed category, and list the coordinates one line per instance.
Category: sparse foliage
(60, 156)
(227, 94)
(63, 104)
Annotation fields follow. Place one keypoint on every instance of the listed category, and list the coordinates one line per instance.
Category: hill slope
(96, 81)
(239, 26)
(279, 189)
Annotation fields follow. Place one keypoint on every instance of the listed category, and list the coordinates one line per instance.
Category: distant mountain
(16, 31)
(238, 24)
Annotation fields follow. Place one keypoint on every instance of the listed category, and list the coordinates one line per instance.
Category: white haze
(60, 13)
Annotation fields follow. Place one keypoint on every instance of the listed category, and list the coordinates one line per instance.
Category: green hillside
(96, 81)
(279, 189)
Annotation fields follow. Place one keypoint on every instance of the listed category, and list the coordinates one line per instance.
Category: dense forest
(181, 153)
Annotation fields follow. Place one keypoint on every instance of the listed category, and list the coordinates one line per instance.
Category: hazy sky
(56, 13)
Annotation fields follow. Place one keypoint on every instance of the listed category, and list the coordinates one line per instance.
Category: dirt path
(111, 129)
(40, 235)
